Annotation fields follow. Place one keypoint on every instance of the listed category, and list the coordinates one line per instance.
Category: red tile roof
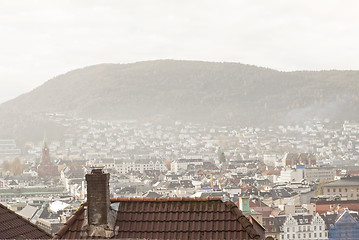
(13, 226)
(271, 172)
(171, 218)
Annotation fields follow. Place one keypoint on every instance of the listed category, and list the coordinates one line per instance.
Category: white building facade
(304, 227)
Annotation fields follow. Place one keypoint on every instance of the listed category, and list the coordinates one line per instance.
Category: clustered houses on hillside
(8, 149)
(268, 172)
(330, 143)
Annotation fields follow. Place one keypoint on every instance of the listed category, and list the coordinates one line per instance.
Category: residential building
(8, 148)
(184, 163)
(345, 187)
(313, 174)
(126, 166)
(294, 159)
(345, 226)
(304, 227)
(332, 204)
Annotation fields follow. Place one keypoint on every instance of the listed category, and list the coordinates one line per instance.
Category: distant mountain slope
(195, 91)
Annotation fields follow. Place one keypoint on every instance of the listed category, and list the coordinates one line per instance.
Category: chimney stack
(98, 198)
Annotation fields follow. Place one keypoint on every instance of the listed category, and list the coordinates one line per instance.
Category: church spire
(45, 140)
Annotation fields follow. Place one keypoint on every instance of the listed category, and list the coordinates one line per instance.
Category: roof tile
(171, 218)
(13, 225)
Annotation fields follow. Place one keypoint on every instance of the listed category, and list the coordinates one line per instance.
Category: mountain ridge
(197, 91)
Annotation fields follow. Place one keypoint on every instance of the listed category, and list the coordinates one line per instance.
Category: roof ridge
(243, 220)
(71, 220)
(165, 199)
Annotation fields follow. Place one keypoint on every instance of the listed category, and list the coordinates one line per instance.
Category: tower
(46, 168)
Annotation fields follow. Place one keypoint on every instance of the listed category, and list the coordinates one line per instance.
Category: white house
(304, 227)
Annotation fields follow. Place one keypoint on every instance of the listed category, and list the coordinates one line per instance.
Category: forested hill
(195, 91)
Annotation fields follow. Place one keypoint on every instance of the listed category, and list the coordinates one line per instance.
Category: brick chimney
(100, 215)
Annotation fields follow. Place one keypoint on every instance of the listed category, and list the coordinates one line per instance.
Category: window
(293, 236)
(287, 236)
(310, 235)
(300, 228)
(299, 235)
(320, 228)
(320, 234)
(315, 235)
(304, 235)
(340, 190)
(315, 228)
(334, 189)
(287, 229)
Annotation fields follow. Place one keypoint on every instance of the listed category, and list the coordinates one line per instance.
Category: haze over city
(42, 39)
(163, 119)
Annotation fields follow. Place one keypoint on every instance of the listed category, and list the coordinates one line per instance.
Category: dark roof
(250, 191)
(171, 218)
(128, 190)
(214, 194)
(151, 194)
(13, 225)
(282, 193)
(330, 219)
(186, 184)
(353, 181)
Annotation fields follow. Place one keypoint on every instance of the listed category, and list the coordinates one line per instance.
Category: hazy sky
(42, 39)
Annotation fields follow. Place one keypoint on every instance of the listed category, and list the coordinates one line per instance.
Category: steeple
(45, 140)
(46, 168)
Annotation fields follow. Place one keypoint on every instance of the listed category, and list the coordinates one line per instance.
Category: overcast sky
(42, 39)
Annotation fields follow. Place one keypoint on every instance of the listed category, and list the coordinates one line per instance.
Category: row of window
(304, 235)
(340, 190)
(304, 228)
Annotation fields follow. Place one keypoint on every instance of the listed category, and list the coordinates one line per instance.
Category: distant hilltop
(228, 93)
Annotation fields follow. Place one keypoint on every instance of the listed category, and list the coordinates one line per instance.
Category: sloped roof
(170, 218)
(28, 212)
(282, 193)
(353, 181)
(13, 225)
(151, 194)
